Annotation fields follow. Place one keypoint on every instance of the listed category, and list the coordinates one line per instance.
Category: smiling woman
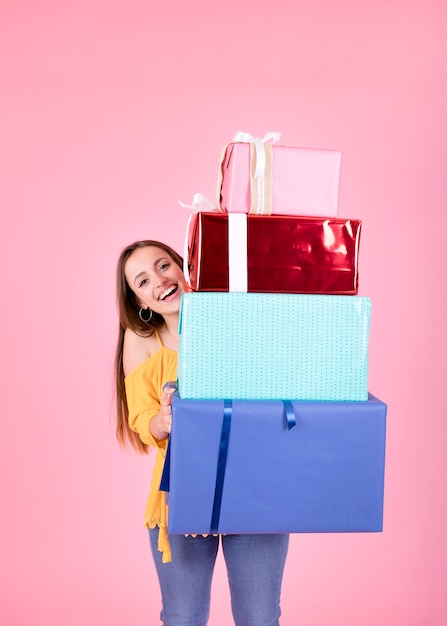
(149, 276)
(150, 285)
(154, 276)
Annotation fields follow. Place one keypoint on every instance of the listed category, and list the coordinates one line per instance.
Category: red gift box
(272, 253)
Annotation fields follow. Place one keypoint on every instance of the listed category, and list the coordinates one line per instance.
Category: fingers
(166, 398)
(164, 419)
(164, 416)
(168, 390)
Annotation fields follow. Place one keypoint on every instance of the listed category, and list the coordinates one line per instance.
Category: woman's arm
(136, 350)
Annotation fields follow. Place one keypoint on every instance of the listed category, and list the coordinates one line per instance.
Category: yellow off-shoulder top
(143, 391)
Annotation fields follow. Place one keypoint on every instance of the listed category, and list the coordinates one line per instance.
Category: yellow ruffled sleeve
(143, 391)
(143, 402)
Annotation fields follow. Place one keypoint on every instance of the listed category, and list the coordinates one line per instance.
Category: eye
(143, 282)
(164, 266)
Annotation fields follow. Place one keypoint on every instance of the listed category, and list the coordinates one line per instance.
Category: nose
(161, 279)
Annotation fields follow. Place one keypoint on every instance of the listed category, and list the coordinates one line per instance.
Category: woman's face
(156, 279)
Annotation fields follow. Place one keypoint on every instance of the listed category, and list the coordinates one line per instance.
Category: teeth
(167, 293)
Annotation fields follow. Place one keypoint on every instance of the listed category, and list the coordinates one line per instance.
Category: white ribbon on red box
(237, 252)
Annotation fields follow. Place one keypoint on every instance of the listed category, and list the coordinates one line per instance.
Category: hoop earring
(143, 319)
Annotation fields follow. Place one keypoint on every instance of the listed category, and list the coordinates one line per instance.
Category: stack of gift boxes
(273, 426)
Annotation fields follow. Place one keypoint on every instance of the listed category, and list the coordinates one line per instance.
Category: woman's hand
(161, 423)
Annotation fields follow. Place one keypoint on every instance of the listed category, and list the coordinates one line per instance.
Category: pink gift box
(303, 181)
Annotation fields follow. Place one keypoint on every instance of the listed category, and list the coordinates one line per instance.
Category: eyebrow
(156, 262)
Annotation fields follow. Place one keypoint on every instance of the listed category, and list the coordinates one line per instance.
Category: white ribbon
(273, 137)
(237, 252)
(200, 203)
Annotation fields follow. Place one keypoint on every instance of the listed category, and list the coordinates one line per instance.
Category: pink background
(111, 111)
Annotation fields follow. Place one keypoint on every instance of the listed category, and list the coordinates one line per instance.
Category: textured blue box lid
(257, 345)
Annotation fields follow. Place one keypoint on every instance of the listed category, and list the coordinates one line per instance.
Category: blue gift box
(243, 467)
(263, 345)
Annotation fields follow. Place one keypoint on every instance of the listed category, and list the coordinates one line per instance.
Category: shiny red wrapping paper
(285, 254)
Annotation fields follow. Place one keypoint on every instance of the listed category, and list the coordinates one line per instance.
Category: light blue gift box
(272, 345)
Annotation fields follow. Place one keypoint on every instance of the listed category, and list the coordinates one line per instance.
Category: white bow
(199, 203)
(273, 137)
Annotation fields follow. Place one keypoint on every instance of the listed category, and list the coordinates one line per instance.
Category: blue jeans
(255, 565)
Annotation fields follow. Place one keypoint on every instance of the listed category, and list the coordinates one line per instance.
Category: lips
(167, 293)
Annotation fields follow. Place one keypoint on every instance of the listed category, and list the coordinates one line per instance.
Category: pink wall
(110, 113)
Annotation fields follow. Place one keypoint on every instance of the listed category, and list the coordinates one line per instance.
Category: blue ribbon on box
(223, 451)
(164, 482)
(221, 464)
(289, 413)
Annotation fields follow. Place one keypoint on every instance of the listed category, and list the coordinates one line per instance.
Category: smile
(169, 292)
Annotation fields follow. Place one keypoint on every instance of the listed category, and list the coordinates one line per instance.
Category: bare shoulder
(136, 350)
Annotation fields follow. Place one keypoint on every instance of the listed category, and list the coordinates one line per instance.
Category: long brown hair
(128, 309)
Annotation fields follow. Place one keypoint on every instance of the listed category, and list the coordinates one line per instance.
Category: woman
(150, 284)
